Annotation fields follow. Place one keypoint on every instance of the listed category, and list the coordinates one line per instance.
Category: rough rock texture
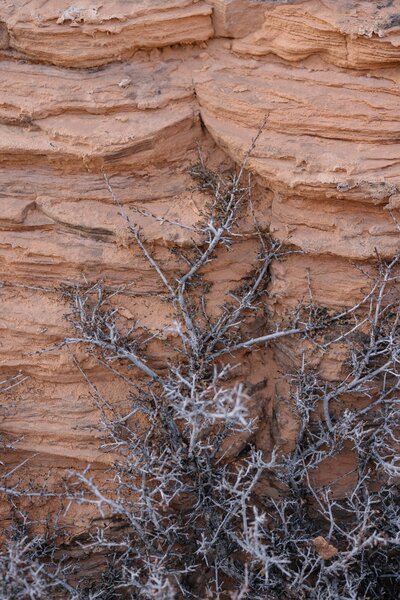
(128, 89)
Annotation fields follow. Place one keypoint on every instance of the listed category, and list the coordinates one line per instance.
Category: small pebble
(125, 82)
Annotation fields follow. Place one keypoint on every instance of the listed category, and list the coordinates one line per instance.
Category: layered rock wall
(128, 90)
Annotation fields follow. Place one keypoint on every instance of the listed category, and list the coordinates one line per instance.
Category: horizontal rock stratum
(129, 90)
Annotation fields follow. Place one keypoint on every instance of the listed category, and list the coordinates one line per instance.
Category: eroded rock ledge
(128, 89)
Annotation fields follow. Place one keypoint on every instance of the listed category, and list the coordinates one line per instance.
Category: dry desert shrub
(185, 518)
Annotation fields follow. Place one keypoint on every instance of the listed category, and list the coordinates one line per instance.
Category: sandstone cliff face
(128, 89)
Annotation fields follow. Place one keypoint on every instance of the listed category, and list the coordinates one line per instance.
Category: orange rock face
(128, 90)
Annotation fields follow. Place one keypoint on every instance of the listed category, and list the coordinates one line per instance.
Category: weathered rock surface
(90, 34)
(127, 90)
(348, 34)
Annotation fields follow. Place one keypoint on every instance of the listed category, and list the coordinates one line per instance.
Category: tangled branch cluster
(31, 565)
(187, 519)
